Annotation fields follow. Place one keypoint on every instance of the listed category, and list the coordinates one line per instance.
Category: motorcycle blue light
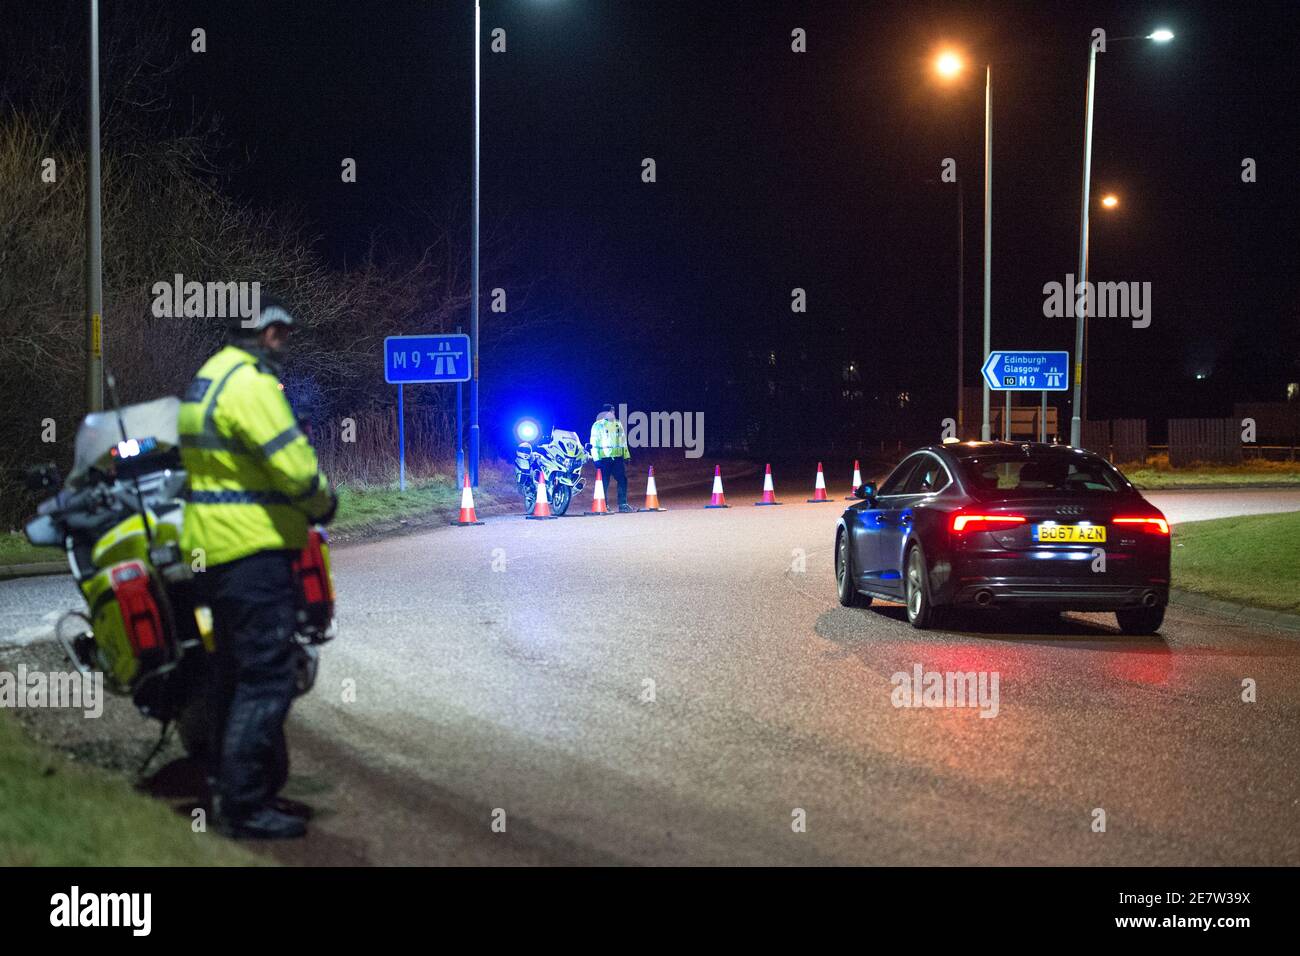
(526, 430)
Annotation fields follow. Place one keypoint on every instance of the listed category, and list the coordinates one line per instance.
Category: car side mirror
(865, 491)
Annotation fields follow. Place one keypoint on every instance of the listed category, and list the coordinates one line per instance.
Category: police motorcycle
(118, 516)
(559, 461)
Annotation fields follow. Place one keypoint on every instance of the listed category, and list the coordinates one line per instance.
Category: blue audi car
(1005, 524)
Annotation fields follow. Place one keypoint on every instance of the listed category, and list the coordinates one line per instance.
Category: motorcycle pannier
(315, 588)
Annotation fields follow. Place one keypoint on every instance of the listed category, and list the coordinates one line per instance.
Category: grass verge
(1156, 474)
(364, 506)
(56, 813)
(1253, 560)
(367, 509)
(15, 549)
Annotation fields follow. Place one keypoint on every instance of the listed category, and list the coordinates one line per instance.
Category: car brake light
(963, 523)
(1149, 525)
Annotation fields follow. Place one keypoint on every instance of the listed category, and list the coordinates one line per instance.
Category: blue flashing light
(526, 430)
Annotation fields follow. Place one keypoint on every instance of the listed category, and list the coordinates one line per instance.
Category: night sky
(776, 170)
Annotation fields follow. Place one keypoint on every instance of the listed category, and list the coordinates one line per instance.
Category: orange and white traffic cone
(769, 493)
(857, 481)
(651, 493)
(718, 500)
(598, 506)
(819, 489)
(467, 514)
(542, 506)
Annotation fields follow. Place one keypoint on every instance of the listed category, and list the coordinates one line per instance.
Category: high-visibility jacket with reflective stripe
(607, 440)
(254, 479)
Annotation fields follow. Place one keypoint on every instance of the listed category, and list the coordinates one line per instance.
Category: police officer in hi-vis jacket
(254, 488)
(609, 449)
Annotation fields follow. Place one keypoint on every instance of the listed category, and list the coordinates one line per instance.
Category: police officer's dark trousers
(613, 468)
(253, 602)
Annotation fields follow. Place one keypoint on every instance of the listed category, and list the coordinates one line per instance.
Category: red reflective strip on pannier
(309, 568)
(140, 613)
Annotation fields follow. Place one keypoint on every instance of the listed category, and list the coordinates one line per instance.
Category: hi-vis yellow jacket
(607, 439)
(254, 479)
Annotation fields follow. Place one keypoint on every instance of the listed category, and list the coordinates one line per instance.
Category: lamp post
(961, 307)
(473, 295)
(1082, 300)
(94, 260)
(948, 64)
(985, 431)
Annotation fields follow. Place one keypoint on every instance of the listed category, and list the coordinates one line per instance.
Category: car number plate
(1070, 533)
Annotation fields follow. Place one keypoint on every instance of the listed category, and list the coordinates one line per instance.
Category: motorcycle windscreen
(567, 442)
(150, 425)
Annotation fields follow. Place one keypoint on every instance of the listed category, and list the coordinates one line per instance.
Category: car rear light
(964, 523)
(1151, 525)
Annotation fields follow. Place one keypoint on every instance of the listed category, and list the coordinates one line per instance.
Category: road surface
(683, 688)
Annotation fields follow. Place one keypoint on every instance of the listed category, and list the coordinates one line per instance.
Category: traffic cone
(819, 489)
(857, 481)
(542, 507)
(769, 493)
(718, 500)
(467, 513)
(651, 493)
(598, 506)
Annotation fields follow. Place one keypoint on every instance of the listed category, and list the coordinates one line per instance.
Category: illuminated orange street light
(1110, 201)
(948, 63)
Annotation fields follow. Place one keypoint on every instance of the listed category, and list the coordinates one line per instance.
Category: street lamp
(1080, 322)
(948, 65)
(94, 259)
(1110, 202)
(473, 294)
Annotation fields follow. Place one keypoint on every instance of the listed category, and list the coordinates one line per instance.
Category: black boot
(263, 824)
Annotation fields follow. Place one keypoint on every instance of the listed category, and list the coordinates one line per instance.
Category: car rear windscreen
(1047, 474)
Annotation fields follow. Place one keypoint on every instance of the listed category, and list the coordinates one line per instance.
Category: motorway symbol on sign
(1012, 371)
(426, 358)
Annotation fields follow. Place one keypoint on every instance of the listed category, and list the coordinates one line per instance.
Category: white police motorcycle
(559, 461)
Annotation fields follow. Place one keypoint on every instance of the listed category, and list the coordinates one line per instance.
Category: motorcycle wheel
(560, 500)
(530, 497)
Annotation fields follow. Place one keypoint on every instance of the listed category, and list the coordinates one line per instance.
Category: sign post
(401, 440)
(412, 359)
(1027, 371)
(460, 430)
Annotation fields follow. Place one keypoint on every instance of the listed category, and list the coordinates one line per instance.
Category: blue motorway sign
(1019, 371)
(426, 358)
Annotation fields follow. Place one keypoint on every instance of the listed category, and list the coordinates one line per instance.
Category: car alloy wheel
(915, 584)
(849, 594)
(842, 560)
(920, 613)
